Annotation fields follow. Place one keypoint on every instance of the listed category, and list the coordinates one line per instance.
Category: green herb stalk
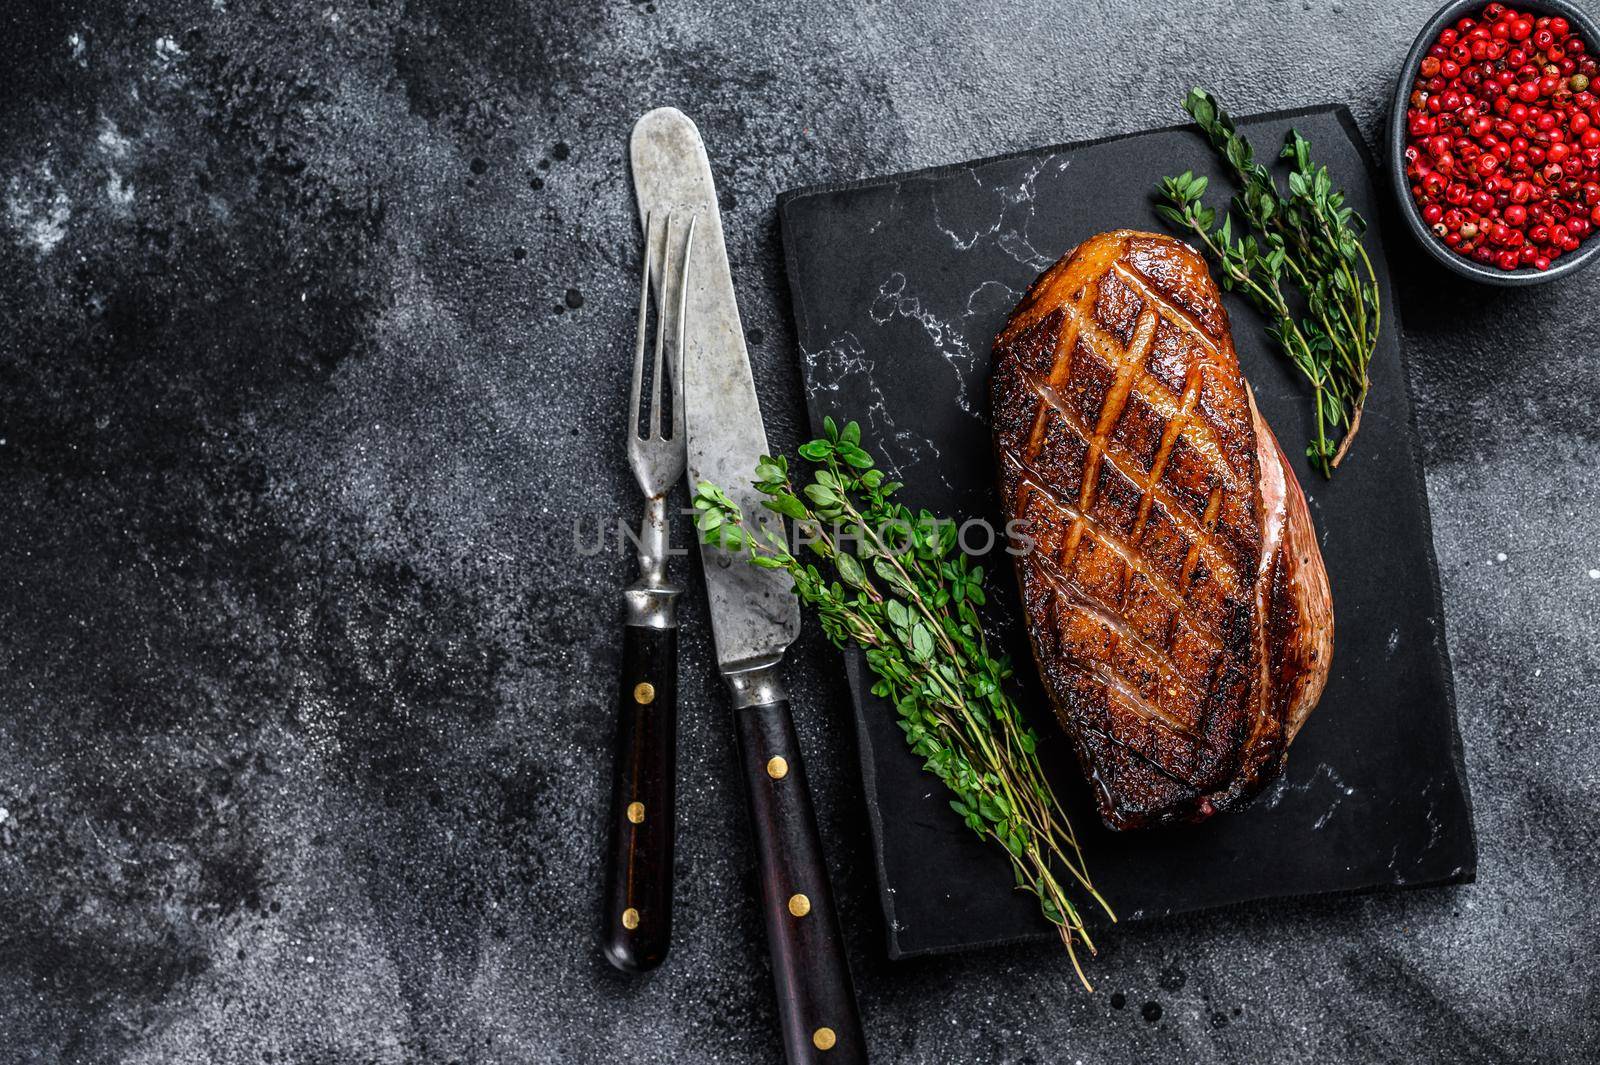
(1297, 251)
(900, 590)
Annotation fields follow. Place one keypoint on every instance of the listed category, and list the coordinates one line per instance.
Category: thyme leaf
(894, 583)
(1298, 258)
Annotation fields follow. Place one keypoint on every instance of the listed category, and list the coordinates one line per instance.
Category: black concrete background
(313, 321)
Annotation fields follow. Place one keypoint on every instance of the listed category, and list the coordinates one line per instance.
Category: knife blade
(754, 613)
(754, 618)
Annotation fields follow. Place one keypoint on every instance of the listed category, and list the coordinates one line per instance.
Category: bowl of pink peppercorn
(1495, 140)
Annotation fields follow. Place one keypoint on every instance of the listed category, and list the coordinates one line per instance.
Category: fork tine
(678, 352)
(640, 335)
(661, 327)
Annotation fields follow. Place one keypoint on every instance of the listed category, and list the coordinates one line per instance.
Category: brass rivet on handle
(630, 918)
(636, 812)
(823, 1039)
(777, 767)
(799, 905)
(644, 693)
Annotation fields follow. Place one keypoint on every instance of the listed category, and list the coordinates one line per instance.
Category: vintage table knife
(754, 614)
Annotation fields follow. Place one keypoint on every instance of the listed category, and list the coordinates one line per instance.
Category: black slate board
(899, 286)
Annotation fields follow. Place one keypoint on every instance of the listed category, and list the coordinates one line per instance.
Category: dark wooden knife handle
(816, 1000)
(638, 900)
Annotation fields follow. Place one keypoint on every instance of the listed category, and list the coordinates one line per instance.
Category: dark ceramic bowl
(1565, 266)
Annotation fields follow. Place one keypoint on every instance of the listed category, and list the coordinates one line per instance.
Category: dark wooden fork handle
(638, 917)
(816, 1000)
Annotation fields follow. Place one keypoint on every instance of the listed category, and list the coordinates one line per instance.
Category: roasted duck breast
(1174, 594)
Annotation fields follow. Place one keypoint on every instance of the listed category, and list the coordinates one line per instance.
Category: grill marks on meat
(1175, 596)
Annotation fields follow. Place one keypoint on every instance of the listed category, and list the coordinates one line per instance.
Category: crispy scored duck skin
(1175, 595)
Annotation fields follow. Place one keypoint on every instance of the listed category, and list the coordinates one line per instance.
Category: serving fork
(638, 917)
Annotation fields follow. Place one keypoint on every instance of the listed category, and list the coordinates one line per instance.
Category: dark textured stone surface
(312, 327)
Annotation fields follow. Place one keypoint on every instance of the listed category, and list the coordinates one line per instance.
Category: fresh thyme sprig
(901, 591)
(1300, 250)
